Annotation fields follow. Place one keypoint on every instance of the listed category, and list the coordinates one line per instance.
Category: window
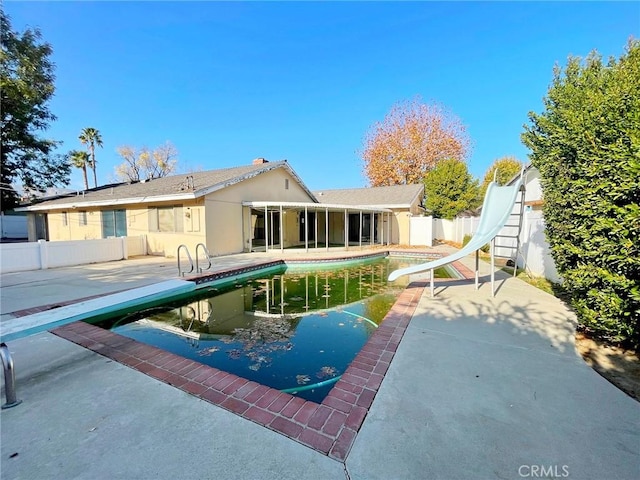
(286, 184)
(82, 217)
(114, 223)
(65, 219)
(166, 219)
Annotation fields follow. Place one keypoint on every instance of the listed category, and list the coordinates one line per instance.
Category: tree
(26, 86)
(410, 141)
(450, 189)
(142, 164)
(586, 145)
(80, 159)
(91, 137)
(507, 167)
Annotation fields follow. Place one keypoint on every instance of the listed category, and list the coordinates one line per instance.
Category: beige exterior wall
(221, 222)
(70, 225)
(400, 227)
(336, 228)
(224, 211)
(291, 228)
(139, 222)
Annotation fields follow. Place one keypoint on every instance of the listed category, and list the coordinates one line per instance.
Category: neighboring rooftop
(384, 197)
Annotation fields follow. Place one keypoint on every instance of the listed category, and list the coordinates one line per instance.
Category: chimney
(260, 161)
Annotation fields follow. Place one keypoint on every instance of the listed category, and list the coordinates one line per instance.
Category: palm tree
(91, 137)
(80, 159)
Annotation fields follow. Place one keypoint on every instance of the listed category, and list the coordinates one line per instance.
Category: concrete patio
(479, 387)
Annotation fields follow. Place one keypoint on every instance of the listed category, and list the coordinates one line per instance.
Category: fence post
(44, 254)
(123, 248)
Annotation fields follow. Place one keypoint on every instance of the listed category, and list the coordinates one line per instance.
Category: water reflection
(293, 330)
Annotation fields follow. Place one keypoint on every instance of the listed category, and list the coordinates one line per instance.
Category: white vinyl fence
(533, 244)
(536, 249)
(13, 226)
(19, 257)
(421, 231)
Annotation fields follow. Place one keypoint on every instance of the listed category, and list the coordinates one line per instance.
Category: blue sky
(229, 82)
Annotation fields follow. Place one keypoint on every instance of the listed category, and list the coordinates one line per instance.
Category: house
(404, 201)
(262, 206)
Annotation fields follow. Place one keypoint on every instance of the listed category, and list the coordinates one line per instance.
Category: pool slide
(496, 210)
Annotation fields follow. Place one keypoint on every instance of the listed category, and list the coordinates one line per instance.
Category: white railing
(19, 257)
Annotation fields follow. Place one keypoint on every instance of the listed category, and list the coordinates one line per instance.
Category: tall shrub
(586, 144)
(450, 189)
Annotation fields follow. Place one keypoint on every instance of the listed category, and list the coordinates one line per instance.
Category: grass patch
(538, 282)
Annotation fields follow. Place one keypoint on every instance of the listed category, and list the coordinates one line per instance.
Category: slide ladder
(516, 221)
(497, 209)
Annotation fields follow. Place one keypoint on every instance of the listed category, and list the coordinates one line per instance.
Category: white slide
(496, 209)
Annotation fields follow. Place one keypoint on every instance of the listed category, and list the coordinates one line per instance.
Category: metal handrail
(9, 378)
(180, 272)
(206, 252)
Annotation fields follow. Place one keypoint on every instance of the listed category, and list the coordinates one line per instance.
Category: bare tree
(410, 141)
(144, 164)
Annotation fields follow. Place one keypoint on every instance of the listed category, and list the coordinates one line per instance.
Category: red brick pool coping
(330, 427)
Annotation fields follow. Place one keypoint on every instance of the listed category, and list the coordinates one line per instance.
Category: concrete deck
(479, 387)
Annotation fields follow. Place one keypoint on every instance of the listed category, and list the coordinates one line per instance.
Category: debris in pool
(234, 354)
(208, 351)
(303, 379)
(341, 324)
(326, 372)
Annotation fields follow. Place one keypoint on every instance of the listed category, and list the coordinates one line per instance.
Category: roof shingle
(196, 183)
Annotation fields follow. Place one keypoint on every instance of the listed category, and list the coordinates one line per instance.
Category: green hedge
(586, 145)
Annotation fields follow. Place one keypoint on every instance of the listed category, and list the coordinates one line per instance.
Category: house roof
(171, 188)
(393, 196)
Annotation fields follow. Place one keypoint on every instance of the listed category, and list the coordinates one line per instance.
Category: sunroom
(276, 226)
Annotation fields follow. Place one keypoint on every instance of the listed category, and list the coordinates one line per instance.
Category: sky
(227, 82)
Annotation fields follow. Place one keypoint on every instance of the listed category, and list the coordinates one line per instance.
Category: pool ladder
(193, 266)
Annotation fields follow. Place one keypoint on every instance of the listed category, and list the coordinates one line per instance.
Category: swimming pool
(295, 329)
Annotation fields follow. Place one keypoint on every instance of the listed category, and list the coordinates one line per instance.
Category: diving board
(496, 210)
(43, 321)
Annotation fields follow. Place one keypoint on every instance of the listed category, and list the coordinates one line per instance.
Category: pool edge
(330, 427)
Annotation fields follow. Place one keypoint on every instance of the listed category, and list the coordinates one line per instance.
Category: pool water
(296, 330)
